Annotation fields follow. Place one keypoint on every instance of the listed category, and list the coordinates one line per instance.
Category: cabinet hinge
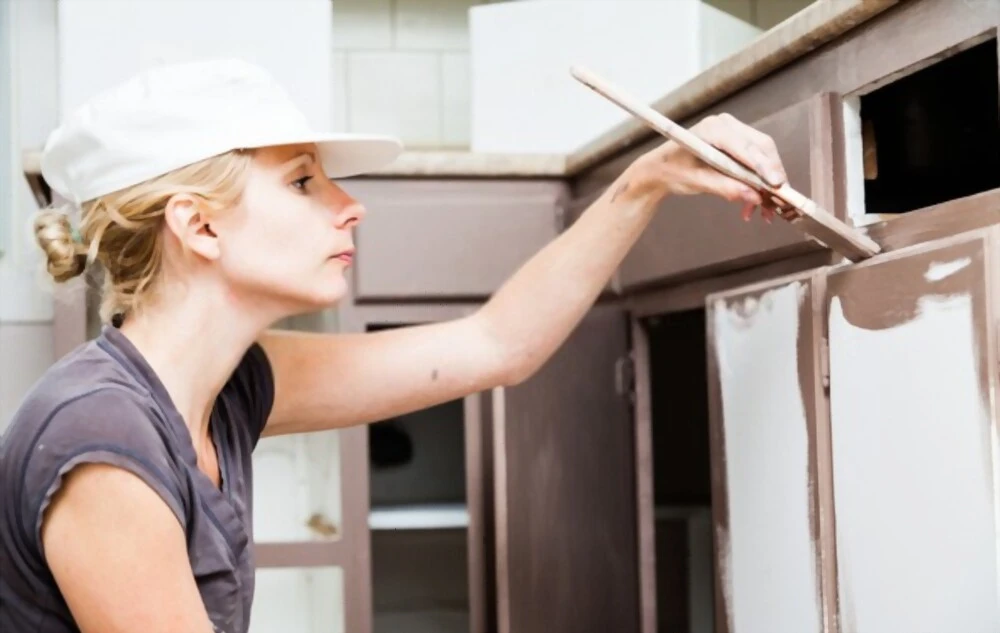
(824, 362)
(625, 376)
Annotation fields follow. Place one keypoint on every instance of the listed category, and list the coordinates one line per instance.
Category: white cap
(174, 115)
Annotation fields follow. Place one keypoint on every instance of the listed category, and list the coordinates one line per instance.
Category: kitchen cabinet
(853, 426)
(466, 502)
(701, 235)
(455, 240)
(913, 419)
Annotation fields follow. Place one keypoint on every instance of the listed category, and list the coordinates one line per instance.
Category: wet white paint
(942, 270)
(913, 479)
(770, 567)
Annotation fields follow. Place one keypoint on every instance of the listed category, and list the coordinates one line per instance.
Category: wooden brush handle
(686, 139)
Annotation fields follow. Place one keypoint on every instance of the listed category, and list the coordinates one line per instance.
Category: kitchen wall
(28, 84)
(402, 67)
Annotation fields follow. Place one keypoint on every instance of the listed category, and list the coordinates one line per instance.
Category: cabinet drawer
(453, 239)
(705, 234)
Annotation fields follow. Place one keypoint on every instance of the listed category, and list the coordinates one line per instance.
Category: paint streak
(914, 482)
(900, 285)
(773, 577)
(938, 271)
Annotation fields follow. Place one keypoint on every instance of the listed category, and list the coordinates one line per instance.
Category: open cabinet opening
(419, 520)
(928, 137)
(682, 488)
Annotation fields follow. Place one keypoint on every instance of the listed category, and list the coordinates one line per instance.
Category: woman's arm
(326, 381)
(119, 556)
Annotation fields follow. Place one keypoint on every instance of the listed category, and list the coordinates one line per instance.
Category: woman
(207, 201)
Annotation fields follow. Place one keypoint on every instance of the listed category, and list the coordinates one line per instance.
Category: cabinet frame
(358, 588)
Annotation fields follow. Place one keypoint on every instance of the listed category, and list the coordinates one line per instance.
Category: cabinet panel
(300, 599)
(770, 466)
(565, 498)
(913, 419)
(449, 239)
(298, 488)
(705, 234)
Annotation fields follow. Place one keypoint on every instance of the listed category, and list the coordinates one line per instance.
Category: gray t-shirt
(104, 403)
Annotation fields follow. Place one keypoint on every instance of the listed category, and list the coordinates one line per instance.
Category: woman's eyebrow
(305, 158)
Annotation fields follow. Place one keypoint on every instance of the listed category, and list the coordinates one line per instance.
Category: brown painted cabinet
(566, 550)
(433, 240)
(700, 235)
(463, 523)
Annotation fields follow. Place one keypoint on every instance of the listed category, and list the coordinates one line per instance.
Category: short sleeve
(252, 384)
(111, 426)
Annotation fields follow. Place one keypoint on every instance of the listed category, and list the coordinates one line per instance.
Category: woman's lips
(347, 256)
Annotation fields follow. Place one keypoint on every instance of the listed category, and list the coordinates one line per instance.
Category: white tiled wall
(402, 67)
(524, 99)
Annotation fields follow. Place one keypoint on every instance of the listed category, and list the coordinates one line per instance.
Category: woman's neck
(194, 342)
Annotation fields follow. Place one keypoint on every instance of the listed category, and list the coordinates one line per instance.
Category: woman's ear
(186, 219)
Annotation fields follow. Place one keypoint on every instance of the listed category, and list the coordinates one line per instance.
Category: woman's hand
(671, 170)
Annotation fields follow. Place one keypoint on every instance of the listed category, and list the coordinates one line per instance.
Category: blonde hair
(122, 231)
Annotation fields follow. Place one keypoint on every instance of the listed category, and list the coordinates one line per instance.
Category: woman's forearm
(538, 307)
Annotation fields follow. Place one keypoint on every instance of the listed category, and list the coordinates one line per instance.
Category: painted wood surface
(912, 380)
(420, 581)
(567, 559)
(448, 239)
(764, 376)
(298, 481)
(705, 234)
(303, 600)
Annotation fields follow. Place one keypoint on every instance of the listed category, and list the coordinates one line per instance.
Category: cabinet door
(770, 458)
(914, 437)
(565, 499)
(449, 239)
(693, 234)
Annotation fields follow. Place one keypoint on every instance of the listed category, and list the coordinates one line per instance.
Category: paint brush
(816, 223)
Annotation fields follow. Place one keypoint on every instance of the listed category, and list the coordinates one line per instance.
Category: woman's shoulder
(85, 409)
(85, 404)
(85, 383)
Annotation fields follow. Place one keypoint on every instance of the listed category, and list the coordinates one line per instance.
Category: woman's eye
(301, 182)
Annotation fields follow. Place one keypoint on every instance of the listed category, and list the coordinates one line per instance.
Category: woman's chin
(330, 293)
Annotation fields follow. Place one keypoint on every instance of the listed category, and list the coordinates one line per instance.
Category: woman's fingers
(707, 180)
(747, 145)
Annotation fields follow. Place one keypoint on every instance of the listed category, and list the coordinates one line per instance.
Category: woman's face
(287, 246)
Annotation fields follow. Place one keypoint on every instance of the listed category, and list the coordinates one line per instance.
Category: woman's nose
(349, 214)
(347, 211)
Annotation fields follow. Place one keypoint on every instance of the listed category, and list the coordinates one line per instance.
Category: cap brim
(345, 155)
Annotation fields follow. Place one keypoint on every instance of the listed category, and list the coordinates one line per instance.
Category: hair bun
(66, 257)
